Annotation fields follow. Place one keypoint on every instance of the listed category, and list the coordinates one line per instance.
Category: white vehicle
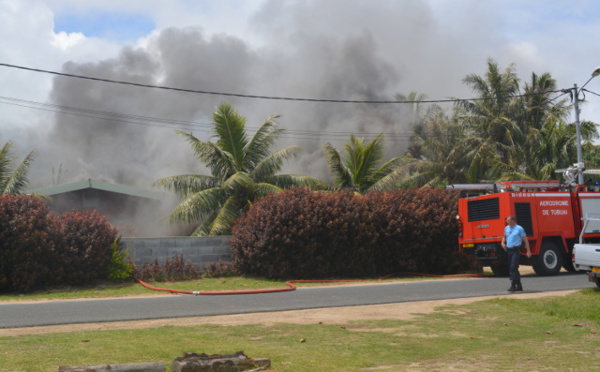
(586, 256)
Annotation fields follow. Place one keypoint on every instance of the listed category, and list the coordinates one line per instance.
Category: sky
(318, 49)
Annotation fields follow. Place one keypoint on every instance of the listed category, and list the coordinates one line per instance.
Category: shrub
(39, 249)
(219, 269)
(26, 240)
(417, 229)
(176, 268)
(119, 268)
(83, 251)
(149, 272)
(304, 234)
(300, 233)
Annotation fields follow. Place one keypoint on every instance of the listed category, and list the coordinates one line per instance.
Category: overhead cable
(453, 100)
(187, 125)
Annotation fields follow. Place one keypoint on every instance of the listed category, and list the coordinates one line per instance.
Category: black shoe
(518, 286)
(513, 286)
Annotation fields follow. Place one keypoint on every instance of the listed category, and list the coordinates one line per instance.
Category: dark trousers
(514, 255)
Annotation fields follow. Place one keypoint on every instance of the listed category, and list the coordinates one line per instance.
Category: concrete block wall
(199, 250)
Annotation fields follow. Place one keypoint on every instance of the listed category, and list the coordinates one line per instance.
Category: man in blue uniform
(514, 237)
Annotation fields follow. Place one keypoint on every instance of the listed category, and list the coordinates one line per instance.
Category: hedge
(301, 233)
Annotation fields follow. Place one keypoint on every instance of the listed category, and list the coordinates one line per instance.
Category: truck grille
(485, 209)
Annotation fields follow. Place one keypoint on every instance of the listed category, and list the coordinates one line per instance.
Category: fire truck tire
(549, 261)
(568, 263)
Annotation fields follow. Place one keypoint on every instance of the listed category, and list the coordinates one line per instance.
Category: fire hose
(292, 287)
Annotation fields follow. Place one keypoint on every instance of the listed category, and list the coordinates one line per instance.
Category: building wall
(199, 250)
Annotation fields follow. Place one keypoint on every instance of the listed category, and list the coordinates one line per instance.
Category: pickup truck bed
(586, 257)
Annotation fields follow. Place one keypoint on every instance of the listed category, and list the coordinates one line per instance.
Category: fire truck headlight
(458, 216)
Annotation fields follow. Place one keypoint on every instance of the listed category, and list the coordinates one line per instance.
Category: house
(134, 211)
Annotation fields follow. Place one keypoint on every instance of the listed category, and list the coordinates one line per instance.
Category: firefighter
(512, 241)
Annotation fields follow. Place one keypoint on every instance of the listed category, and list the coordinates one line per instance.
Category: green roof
(99, 185)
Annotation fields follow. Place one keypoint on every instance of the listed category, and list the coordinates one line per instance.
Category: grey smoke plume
(335, 49)
(123, 152)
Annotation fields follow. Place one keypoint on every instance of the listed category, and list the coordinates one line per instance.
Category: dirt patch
(333, 315)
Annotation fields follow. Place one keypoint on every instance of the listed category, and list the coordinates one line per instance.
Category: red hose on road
(448, 275)
(290, 285)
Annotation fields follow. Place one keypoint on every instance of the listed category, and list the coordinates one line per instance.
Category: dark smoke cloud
(126, 153)
(349, 50)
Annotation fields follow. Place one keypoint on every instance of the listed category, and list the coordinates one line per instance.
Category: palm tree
(362, 169)
(13, 180)
(502, 135)
(493, 119)
(442, 154)
(242, 170)
(553, 147)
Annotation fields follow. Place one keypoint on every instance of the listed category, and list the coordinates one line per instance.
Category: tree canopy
(13, 175)
(510, 130)
(242, 168)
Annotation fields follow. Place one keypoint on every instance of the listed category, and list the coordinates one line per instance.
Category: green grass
(547, 334)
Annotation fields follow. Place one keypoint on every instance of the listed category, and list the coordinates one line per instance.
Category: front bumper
(486, 253)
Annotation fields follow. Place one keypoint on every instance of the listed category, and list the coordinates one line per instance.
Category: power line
(106, 115)
(589, 91)
(193, 125)
(217, 93)
(187, 125)
(453, 100)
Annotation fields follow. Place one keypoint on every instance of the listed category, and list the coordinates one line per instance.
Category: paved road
(17, 315)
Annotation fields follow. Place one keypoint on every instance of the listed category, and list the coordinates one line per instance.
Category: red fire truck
(550, 213)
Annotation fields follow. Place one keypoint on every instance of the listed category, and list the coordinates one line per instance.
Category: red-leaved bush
(82, 252)
(300, 233)
(38, 249)
(25, 240)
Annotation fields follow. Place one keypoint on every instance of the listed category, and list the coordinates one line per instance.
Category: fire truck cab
(550, 213)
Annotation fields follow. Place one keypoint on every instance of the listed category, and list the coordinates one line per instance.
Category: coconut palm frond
(17, 182)
(272, 163)
(226, 217)
(229, 126)
(260, 145)
(367, 160)
(199, 205)
(286, 181)
(264, 189)
(339, 171)
(186, 184)
(238, 181)
(219, 161)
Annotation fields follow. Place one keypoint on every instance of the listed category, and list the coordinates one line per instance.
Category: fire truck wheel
(549, 261)
(568, 263)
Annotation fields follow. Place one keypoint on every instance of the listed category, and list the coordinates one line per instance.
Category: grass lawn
(547, 334)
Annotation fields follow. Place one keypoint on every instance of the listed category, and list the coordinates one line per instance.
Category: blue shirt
(514, 236)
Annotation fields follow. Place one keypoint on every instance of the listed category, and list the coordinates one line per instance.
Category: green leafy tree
(440, 160)
(362, 168)
(13, 176)
(492, 120)
(505, 134)
(242, 170)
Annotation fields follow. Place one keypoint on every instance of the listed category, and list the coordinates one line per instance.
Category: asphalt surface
(17, 315)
